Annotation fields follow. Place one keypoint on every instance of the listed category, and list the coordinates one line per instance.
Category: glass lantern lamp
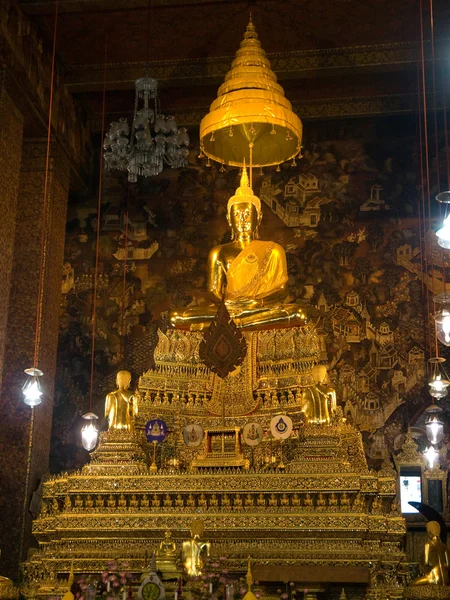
(443, 234)
(431, 456)
(438, 383)
(32, 390)
(434, 425)
(89, 432)
(442, 318)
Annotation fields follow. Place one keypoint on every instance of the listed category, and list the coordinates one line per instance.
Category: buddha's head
(123, 380)
(197, 528)
(433, 529)
(244, 209)
(319, 373)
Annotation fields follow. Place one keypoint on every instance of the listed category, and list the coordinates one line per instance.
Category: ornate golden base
(306, 502)
(432, 592)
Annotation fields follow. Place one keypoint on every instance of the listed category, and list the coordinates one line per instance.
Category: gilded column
(26, 434)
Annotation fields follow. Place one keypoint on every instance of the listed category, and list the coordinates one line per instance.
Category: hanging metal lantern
(89, 432)
(251, 121)
(32, 391)
(434, 425)
(438, 383)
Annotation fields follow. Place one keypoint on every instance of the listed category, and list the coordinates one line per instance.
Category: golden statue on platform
(120, 407)
(167, 558)
(195, 550)
(319, 400)
(251, 275)
(436, 560)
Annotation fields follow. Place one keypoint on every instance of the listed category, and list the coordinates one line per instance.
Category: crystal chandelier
(153, 141)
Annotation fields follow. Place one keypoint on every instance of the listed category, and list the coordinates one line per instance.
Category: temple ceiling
(346, 58)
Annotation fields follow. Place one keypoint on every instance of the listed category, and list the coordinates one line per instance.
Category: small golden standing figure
(436, 560)
(319, 400)
(195, 550)
(121, 407)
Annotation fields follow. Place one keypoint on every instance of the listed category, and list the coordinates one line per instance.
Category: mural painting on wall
(347, 215)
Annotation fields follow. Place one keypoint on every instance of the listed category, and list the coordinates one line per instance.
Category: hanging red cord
(124, 283)
(45, 208)
(429, 246)
(433, 76)
(97, 242)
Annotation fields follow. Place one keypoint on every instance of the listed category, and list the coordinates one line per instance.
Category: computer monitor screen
(410, 490)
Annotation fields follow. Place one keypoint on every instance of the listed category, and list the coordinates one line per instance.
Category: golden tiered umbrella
(251, 120)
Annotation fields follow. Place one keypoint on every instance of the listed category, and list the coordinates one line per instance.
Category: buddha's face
(243, 217)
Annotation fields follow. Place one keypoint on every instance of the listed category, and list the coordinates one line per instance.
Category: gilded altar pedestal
(309, 501)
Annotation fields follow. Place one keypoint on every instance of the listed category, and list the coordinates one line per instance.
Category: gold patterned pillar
(25, 437)
(11, 133)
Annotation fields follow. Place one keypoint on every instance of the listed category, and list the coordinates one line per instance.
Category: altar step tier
(278, 518)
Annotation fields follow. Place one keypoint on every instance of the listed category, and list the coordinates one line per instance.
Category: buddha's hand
(242, 303)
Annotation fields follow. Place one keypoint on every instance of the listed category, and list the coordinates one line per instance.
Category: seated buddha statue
(250, 275)
(167, 557)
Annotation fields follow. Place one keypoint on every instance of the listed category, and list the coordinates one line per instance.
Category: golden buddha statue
(194, 550)
(6, 587)
(296, 501)
(248, 500)
(260, 501)
(319, 400)
(167, 557)
(308, 501)
(120, 407)
(436, 559)
(249, 274)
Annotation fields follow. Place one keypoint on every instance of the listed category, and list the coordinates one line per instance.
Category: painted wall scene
(347, 213)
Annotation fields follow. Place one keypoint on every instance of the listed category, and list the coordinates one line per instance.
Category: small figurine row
(354, 501)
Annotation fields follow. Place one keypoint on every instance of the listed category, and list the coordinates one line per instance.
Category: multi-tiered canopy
(251, 121)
